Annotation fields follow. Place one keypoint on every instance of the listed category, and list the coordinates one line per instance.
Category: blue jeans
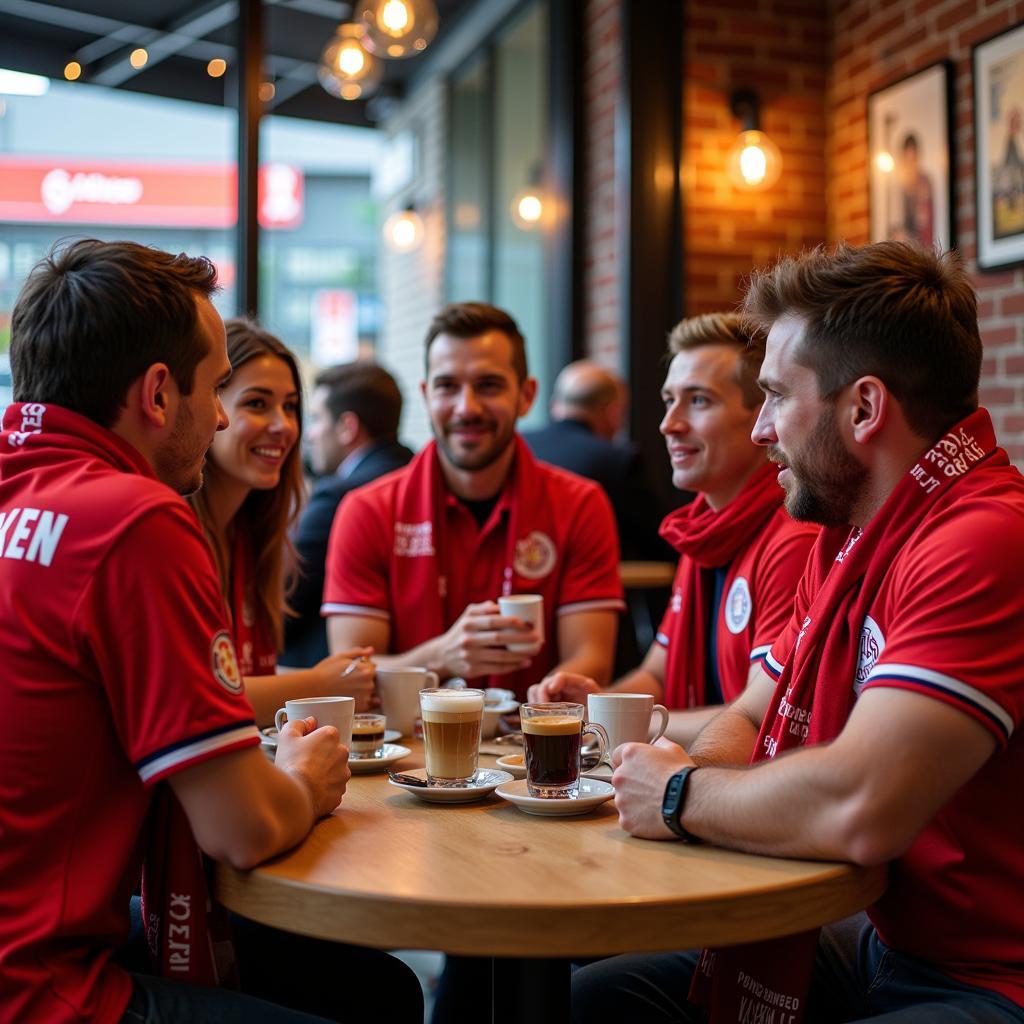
(856, 977)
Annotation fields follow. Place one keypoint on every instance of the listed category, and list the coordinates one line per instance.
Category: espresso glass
(552, 740)
(367, 735)
(451, 734)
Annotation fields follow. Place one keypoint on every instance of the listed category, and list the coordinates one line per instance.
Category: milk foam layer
(452, 702)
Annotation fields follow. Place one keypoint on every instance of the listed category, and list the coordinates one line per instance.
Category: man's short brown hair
(367, 390)
(894, 310)
(471, 319)
(725, 329)
(93, 316)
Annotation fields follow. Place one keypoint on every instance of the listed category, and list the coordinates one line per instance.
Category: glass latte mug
(451, 734)
(552, 741)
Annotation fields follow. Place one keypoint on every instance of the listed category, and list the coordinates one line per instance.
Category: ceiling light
(72, 71)
(397, 28)
(347, 69)
(216, 67)
(138, 58)
(403, 230)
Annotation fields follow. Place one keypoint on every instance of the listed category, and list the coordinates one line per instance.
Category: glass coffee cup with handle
(552, 741)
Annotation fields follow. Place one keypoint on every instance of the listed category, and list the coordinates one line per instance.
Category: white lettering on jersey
(40, 527)
(31, 423)
(869, 650)
(414, 540)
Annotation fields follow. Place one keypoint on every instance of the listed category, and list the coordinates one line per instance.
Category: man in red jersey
(417, 558)
(895, 691)
(742, 554)
(118, 682)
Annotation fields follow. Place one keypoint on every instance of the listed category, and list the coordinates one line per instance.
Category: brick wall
(875, 44)
(779, 48)
(601, 76)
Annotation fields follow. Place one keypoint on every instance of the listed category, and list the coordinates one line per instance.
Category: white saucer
(593, 792)
(485, 781)
(388, 755)
(269, 736)
(516, 764)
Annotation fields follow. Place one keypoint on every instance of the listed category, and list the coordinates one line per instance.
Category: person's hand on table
(349, 674)
(317, 757)
(476, 645)
(569, 686)
(641, 773)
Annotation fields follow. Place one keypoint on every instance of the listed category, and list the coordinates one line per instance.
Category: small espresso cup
(399, 692)
(529, 608)
(367, 734)
(626, 717)
(336, 711)
(552, 739)
(451, 734)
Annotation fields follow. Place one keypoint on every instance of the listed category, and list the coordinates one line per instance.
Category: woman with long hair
(251, 495)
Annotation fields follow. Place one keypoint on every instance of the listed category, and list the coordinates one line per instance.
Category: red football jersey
(946, 624)
(757, 600)
(116, 670)
(575, 568)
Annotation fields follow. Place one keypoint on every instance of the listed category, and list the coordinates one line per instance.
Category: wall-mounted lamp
(529, 204)
(397, 28)
(403, 230)
(755, 162)
(347, 69)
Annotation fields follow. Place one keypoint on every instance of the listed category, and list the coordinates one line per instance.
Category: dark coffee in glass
(552, 746)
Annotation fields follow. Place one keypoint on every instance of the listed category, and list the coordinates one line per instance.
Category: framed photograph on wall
(911, 159)
(998, 65)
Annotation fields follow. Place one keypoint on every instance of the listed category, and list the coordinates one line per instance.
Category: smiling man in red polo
(418, 558)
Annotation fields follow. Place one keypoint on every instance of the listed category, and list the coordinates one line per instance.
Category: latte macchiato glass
(552, 738)
(367, 735)
(451, 734)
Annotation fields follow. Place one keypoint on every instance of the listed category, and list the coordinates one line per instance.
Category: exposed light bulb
(403, 230)
(347, 69)
(397, 28)
(528, 208)
(885, 163)
(72, 71)
(139, 58)
(753, 164)
(216, 67)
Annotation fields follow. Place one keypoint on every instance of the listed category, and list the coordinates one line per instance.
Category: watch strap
(672, 804)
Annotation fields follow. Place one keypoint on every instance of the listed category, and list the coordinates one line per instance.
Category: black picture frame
(911, 170)
(997, 65)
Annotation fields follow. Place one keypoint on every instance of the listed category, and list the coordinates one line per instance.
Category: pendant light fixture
(397, 28)
(347, 69)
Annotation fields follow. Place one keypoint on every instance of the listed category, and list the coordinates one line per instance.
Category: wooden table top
(642, 575)
(390, 871)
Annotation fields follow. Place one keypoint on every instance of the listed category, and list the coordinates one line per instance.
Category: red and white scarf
(814, 695)
(708, 539)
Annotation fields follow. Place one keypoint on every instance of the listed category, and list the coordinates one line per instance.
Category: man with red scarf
(742, 554)
(896, 689)
(417, 559)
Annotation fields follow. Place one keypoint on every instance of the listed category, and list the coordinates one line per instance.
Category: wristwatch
(672, 804)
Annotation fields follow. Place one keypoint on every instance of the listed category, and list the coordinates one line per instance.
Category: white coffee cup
(529, 608)
(336, 711)
(626, 717)
(399, 692)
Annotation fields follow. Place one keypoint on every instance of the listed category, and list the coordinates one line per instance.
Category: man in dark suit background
(352, 438)
(587, 411)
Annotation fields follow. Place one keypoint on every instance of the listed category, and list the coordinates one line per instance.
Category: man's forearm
(728, 738)
(685, 726)
(639, 681)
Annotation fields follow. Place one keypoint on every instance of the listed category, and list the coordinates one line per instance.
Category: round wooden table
(485, 879)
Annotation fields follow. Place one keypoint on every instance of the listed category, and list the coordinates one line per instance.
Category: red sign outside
(47, 190)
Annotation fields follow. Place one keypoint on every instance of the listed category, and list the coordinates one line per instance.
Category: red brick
(1013, 304)
(983, 29)
(1013, 365)
(994, 337)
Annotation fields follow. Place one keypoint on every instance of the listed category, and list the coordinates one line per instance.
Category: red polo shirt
(116, 670)
(574, 569)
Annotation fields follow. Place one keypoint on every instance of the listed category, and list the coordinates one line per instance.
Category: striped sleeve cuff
(758, 653)
(927, 681)
(771, 666)
(169, 760)
(330, 608)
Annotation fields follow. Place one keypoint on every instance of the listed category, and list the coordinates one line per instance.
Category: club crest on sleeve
(535, 556)
(224, 663)
(738, 605)
(872, 643)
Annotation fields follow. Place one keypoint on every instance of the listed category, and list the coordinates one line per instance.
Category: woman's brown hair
(266, 516)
